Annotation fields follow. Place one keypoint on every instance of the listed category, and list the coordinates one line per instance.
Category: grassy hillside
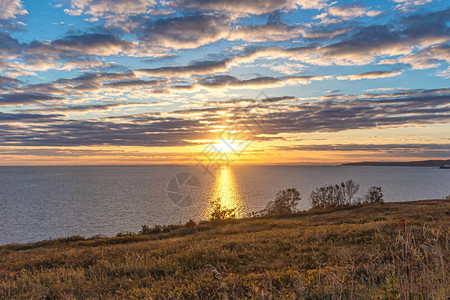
(384, 251)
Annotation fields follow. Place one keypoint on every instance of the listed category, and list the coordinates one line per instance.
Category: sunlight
(225, 146)
(231, 146)
(225, 189)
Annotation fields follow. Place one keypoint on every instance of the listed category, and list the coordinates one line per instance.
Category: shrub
(147, 230)
(220, 212)
(334, 195)
(190, 223)
(374, 195)
(285, 202)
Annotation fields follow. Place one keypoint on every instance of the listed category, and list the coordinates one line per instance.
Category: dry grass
(390, 251)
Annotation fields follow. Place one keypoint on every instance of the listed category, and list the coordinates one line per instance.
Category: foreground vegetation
(371, 251)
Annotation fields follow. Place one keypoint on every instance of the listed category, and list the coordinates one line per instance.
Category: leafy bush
(285, 202)
(374, 195)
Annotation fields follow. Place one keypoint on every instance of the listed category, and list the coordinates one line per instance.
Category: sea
(39, 203)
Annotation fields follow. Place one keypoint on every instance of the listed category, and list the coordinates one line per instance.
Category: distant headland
(423, 163)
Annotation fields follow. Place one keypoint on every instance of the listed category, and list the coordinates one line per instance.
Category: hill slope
(370, 251)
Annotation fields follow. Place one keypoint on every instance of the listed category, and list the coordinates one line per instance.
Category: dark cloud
(27, 118)
(186, 32)
(370, 75)
(135, 84)
(377, 150)
(97, 44)
(9, 47)
(393, 39)
(165, 132)
(199, 68)
(87, 108)
(8, 82)
(25, 98)
(227, 81)
(445, 148)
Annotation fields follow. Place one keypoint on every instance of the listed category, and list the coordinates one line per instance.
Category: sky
(86, 82)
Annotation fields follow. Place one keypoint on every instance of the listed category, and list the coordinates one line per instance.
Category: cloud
(187, 127)
(10, 9)
(92, 81)
(444, 148)
(376, 150)
(228, 81)
(266, 32)
(346, 12)
(427, 58)
(444, 73)
(249, 6)
(8, 82)
(410, 5)
(89, 107)
(370, 75)
(95, 44)
(285, 67)
(25, 98)
(9, 47)
(155, 132)
(27, 118)
(134, 84)
(337, 113)
(186, 32)
(366, 44)
(109, 9)
(199, 68)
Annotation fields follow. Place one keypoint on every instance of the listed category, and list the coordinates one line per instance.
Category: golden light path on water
(225, 190)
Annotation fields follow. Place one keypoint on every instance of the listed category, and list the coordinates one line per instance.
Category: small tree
(374, 195)
(334, 195)
(327, 196)
(220, 212)
(318, 197)
(285, 202)
(350, 189)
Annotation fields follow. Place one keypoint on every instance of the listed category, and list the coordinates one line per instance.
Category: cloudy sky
(149, 81)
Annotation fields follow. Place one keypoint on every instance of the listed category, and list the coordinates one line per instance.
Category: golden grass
(364, 252)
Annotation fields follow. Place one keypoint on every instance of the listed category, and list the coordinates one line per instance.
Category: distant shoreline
(423, 163)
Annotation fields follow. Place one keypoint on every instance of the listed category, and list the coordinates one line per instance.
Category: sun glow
(225, 146)
(226, 190)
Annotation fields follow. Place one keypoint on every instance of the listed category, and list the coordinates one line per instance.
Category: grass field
(382, 251)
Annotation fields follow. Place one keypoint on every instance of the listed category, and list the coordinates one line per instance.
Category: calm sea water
(39, 203)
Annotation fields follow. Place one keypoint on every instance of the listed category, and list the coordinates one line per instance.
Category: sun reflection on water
(225, 189)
